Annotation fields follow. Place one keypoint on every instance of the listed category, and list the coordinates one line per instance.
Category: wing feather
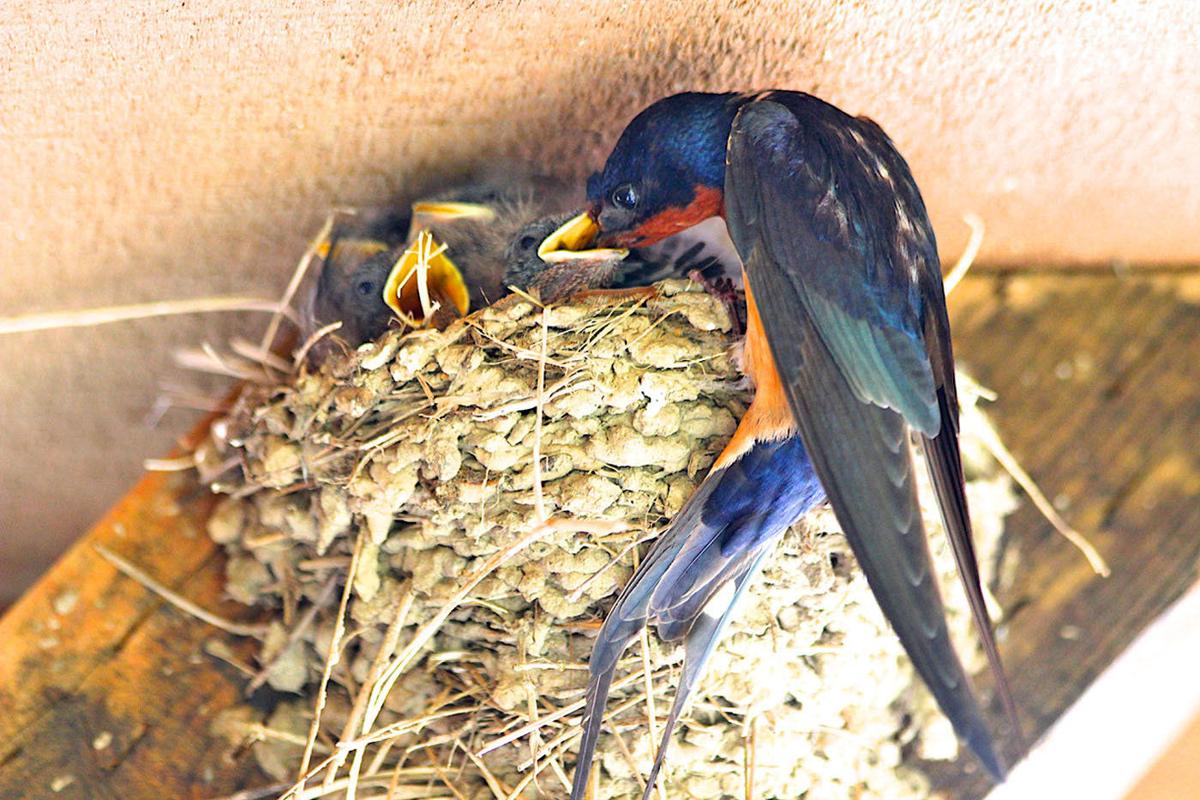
(735, 516)
(840, 259)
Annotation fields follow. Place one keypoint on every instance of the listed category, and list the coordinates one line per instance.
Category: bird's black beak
(424, 279)
(574, 240)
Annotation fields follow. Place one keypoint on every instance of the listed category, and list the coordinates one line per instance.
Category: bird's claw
(723, 289)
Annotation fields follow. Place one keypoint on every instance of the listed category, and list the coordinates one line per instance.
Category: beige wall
(172, 150)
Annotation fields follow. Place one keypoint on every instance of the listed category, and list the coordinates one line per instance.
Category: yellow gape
(427, 212)
(423, 280)
(572, 240)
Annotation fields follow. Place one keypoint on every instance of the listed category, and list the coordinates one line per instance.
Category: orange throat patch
(708, 202)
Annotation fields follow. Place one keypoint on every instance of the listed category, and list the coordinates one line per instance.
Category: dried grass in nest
(475, 498)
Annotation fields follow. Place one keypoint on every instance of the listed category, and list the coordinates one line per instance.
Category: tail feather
(701, 641)
(622, 625)
(945, 469)
(598, 688)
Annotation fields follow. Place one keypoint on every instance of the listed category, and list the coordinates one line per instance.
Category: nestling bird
(481, 222)
(492, 231)
(533, 264)
(365, 257)
(349, 284)
(539, 259)
(848, 344)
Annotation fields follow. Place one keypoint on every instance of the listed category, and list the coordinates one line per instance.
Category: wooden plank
(107, 692)
(1102, 745)
(1177, 774)
(1099, 397)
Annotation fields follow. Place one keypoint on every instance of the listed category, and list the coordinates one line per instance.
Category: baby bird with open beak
(532, 264)
(537, 259)
(363, 280)
(473, 243)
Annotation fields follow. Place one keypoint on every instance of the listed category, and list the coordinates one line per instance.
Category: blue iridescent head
(667, 171)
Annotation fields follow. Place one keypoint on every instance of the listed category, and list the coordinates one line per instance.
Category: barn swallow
(848, 344)
(470, 229)
(349, 283)
(492, 235)
(536, 260)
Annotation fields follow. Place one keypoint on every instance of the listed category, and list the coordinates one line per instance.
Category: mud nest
(473, 500)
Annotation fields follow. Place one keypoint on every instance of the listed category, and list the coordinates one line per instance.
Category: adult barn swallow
(848, 343)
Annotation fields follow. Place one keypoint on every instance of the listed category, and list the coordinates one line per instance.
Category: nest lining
(414, 458)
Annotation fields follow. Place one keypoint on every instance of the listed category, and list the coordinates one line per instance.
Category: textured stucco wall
(154, 150)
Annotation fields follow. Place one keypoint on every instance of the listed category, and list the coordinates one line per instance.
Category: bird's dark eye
(527, 242)
(625, 196)
(366, 288)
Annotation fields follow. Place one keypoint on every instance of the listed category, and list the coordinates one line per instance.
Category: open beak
(422, 277)
(573, 242)
(353, 248)
(428, 212)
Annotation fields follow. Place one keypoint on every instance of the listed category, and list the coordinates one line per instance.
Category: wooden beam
(107, 691)
(1099, 396)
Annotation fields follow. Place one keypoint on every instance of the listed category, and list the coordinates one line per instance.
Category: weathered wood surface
(1099, 389)
(105, 691)
(1099, 384)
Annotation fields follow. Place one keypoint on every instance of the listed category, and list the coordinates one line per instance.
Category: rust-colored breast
(708, 202)
(769, 417)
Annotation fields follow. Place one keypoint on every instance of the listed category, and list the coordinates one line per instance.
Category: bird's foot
(724, 290)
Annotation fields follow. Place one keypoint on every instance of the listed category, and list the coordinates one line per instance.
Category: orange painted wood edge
(106, 689)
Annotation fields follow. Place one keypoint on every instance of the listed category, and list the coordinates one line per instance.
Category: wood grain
(1100, 398)
(107, 692)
